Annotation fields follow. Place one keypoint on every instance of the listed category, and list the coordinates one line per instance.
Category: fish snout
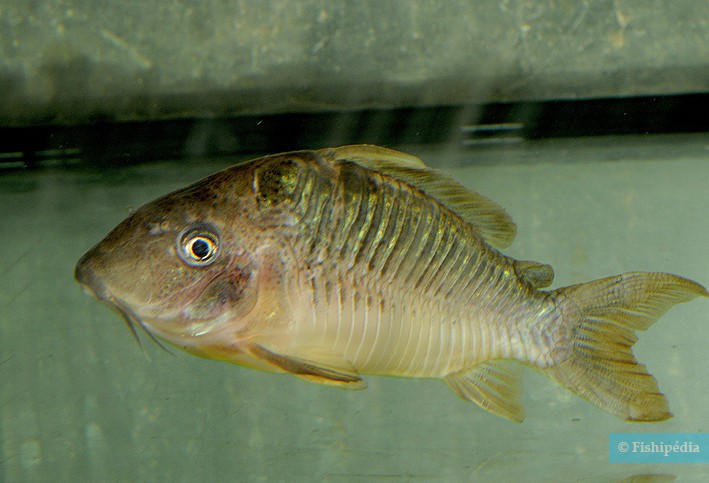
(86, 275)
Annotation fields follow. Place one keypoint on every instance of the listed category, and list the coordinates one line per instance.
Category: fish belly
(384, 331)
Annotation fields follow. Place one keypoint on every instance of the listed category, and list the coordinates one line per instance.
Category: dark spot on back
(277, 182)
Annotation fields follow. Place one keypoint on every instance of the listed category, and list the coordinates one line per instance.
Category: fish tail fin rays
(603, 314)
(495, 386)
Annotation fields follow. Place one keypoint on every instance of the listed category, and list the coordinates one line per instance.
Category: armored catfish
(358, 260)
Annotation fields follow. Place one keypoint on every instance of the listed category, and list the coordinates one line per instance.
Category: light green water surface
(80, 401)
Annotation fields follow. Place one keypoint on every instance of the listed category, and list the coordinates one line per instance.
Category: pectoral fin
(493, 385)
(335, 373)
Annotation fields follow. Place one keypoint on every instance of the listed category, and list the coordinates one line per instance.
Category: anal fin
(341, 375)
(493, 385)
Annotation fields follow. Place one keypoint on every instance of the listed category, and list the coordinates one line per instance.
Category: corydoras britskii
(358, 260)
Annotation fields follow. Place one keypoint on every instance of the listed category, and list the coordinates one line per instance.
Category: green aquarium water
(81, 401)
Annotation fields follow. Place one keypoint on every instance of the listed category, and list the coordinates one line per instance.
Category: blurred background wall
(70, 62)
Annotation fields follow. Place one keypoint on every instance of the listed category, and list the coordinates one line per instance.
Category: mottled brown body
(361, 260)
(393, 281)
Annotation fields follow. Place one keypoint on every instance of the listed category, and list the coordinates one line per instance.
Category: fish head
(186, 267)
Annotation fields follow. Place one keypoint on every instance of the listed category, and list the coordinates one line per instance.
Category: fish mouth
(93, 286)
(131, 319)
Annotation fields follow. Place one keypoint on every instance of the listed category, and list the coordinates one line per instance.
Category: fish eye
(198, 247)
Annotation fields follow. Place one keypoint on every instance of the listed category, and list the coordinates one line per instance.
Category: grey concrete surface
(79, 401)
(72, 61)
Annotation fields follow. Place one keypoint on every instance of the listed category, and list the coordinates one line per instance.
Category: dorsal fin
(368, 153)
(488, 218)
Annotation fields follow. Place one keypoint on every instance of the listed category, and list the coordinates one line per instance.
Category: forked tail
(603, 314)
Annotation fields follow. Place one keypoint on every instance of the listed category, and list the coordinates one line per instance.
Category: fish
(360, 260)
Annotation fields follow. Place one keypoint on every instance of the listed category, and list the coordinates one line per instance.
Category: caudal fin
(604, 314)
